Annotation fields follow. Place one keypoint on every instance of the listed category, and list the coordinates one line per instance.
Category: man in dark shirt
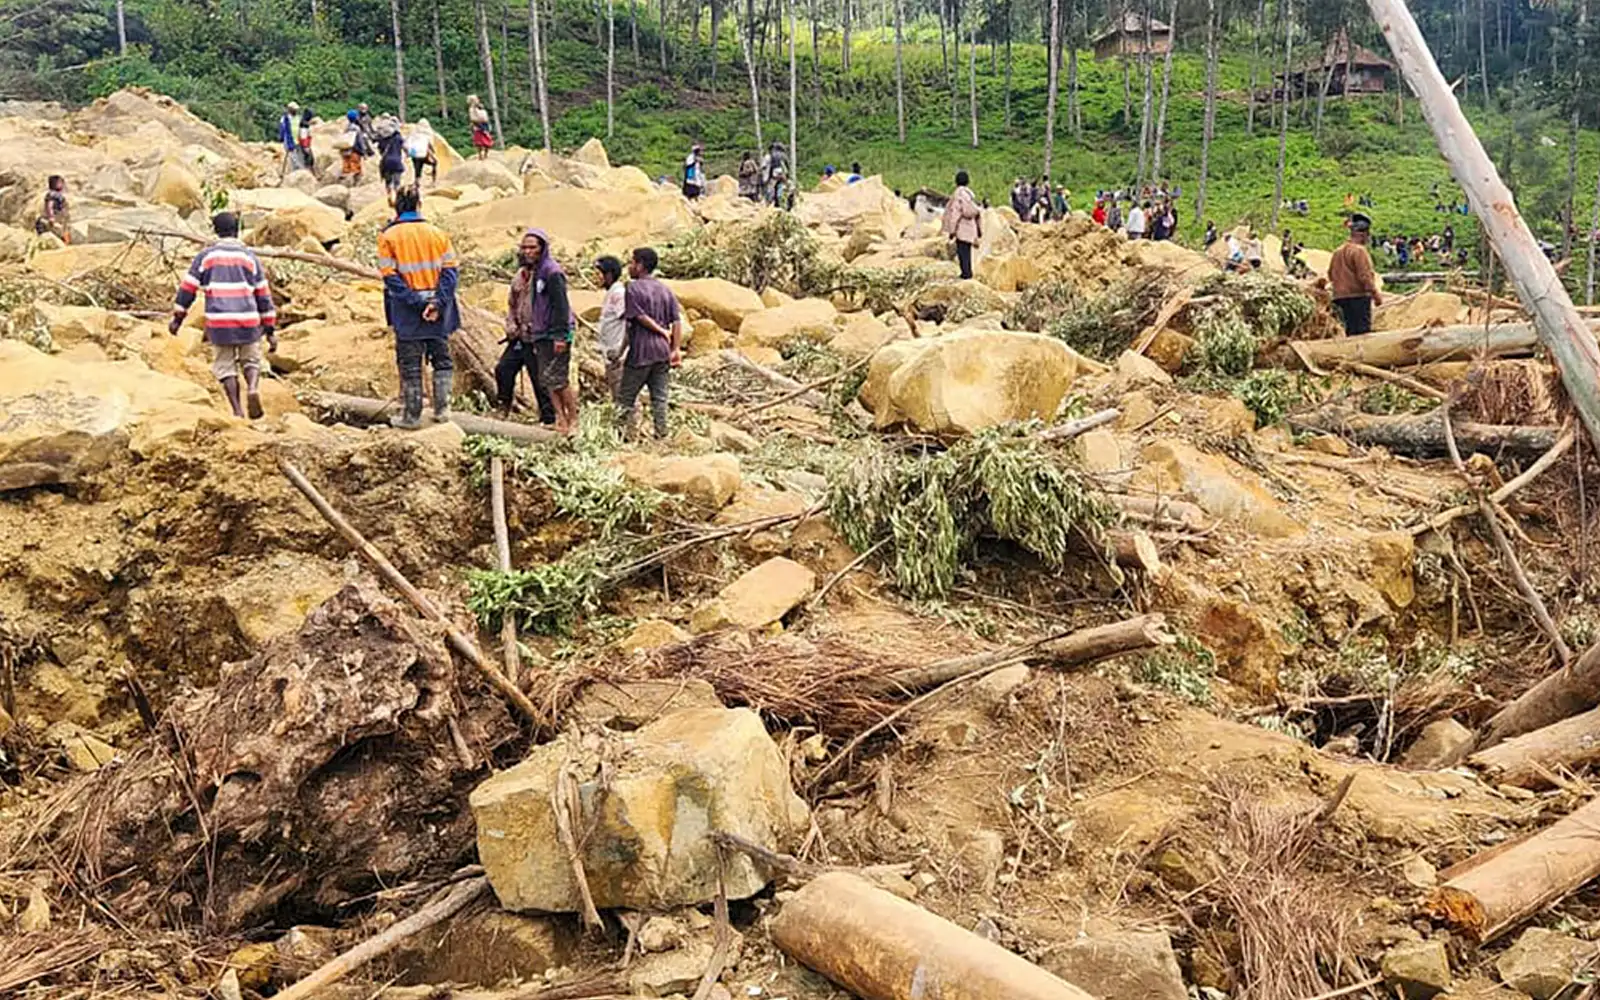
(654, 328)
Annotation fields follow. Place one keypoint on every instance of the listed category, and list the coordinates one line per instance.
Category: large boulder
(99, 224)
(1221, 487)
(866, 204)
(1120, 965)
(578, 220)
(803, 319)
(649, 799)
(294, 227)
(709, 480)
(968, 380)
(60, 418)
(174, 184)
(719, 299)
(593, 152)
(485, 174)
(859, 334)
(1424, 309)
(954, 301)
(255, 205)
(758, 597)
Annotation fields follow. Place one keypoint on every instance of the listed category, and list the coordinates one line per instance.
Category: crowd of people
(764, 181)
(366, 136)
(641, 323)
(1440, 248)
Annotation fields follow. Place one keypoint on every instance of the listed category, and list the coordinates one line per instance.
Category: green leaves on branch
(934, 506)
(547, 599)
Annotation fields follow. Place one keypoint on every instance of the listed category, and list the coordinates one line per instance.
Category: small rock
(253, 963)
(35, 916)
(304, 948)
(997, 687)
(660, 934)
(1098, 452)
(228, 986)
(1123, 965)
(1421, 970)
(1443, 743)
(1177, 870)
(1134, 370)
(1230, 418)
(84, 750)
(1419, 873)
(679, 971)
(1543, 963)
(759, 597)
(1138, 409)
(652, 633)
(711, 480)
(984, 854)
(726, 437)
(923, 881)
(1328, 444)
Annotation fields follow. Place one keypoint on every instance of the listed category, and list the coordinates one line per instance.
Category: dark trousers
(1357, 315)
(656, 378)
(964, 258)
(410, 354)
(517, 356)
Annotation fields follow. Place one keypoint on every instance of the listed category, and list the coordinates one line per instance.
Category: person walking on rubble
(539, 331)
(613, 338)
(418, 265)
(54, 218)
(655, 327)
(1354, 282)
(963, 223)
(238, 311)
(419, 149)
(482, 137)
(308, 159)
(353, 149)
(288, 131)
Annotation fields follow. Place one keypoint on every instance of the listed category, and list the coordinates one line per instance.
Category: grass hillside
(1364, 146)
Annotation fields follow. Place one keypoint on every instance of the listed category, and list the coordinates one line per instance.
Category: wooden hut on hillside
(1355, 68)
(1126, 37)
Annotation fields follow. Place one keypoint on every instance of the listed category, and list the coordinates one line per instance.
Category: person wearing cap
(287, 126)
(1354, 282)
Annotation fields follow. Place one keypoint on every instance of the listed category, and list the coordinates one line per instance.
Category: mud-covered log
(1422, 436)
(1160, 512)
(1560, 695)
(1495, 890)
(1395, 348)
(1075, 649)
(1527, 760)
(881, 947)
(363, 410)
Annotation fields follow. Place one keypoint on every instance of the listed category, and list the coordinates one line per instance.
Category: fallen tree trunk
(1161, 512)
(1423, 436)
(1395, 348)
(363, 410)
(1527, 761)
(1495, 890)
(475, 348)
(881, 947)
(1560, 695)
(1414, 277)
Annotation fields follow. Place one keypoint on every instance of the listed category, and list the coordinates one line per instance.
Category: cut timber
(1396, 348)
(362, 410)
(1527, 761)
(475, 349)
(1161, 512)
(1495, 890)
(442, 908)
(1083, 425)
(1136, 550)
(1569, 339)
(881, 947)
(1560, 695)
(1423, 436)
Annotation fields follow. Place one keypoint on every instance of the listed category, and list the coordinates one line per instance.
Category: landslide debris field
(1107, 626)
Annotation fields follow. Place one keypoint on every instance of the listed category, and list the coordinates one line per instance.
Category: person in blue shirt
(287, 125)
(855, 174)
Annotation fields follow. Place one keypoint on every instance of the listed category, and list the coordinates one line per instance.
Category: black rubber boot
(410, 417)
(252, 385)
(230, 388)
(441, 395)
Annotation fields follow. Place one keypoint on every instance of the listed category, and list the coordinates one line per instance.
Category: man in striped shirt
(418, 266)
(238, 311)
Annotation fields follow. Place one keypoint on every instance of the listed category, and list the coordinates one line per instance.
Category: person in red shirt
(1099, 214)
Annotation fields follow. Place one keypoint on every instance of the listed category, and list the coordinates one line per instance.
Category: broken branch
(363, 410)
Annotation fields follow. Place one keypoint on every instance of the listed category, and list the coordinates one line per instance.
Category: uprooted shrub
(1247, 311)
(928, 509)
(1102, 326)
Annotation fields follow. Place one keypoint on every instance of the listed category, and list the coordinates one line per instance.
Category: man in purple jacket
(238, 307)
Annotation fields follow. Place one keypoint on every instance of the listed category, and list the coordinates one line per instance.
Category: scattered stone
(1443, 743)
(254, 964)
(1327, 444)
(175, 185)
(84, 750)
(484, 948)
(1138, 410)
(968, 380)
(1542, 962)
(726, 437)
(1122, 965)
(1420, 969)
(664, 788)
(1169, 350)
(1221, 487)
(1229, 417)
(1098, 452)
(484, 174)
(709, 480)
(228, 986)
(1393, 555)
(652, 633)
(859, 334)
(802, 319)
(772, 298)
(676, 972)
(35, 917)
(723, 301)
(997, 687)
(952, 301)
(760, 596)
(1419, 873)
(660, 933)
(1135, 370)
(628, 705)
(705, 338)
(304, 948)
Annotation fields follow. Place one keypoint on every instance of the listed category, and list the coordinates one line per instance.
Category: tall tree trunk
(1146, 105)
(536, 61)
(944, 47)
(1074, 96)
(900, 69)
(1166, 91)
(844, 47)
(1255, 66)
(1127, 68)
(716, 32)
(1283, 123)
(1052, 84)
(1327, 84)
(1483, 55)
(972, 71)
(1009, 16)
(122, 30)
(316, 15)
(633, 29)
(794, 83)
(611, 68)
(399, 56)
(505, 55)
(816, 71)
(1594, 227)
(1572, 135)
(955, 63)
(1210, 126)
(750, 71)
(438, 65)
(661, 31)
(486, 56)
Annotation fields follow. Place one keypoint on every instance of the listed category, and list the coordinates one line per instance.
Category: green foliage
(1101, 327)
(547, 599)
(1388, 398)
(1185, 669)
(1271, 394)
(1250, 309)
(932, 507)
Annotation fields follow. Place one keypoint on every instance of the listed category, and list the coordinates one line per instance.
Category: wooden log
(1136, 550)
(1160, 511)
(502, 553)
(1083, 425)
(805, 395)
(881, 947)
(1562, 330)
(362, 410)
(1560, 695)
(1396, 348)
(1413, 277)
(1495, 890)
(328, 260)
(1423, 436)
(1528, 760)
(458, 640)
(446, 906)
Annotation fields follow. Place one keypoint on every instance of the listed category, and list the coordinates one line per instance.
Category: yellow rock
(1426, 309)
(253, 964)
(723, 301)
(1098, 452)
(84, 750)
(710, 480)
(652, 633)
(593, 152)
(484, 174)
(705, 337)
(1221, 487)
(808, 319)
(766, 357)
(859, 334)
(1393, 566)
(176, 185)
(867, 203)
(35, 917)
(1169, 349)
(772, 298)
(968, 380)
(1229, 417)
(1328, 444)
(1008, 273)
(759, 597)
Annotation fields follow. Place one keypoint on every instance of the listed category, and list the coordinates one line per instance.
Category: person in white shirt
(1136, 220)
(613, 324)
(694, 172)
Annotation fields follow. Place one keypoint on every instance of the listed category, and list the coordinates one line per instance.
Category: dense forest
(910, 88)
